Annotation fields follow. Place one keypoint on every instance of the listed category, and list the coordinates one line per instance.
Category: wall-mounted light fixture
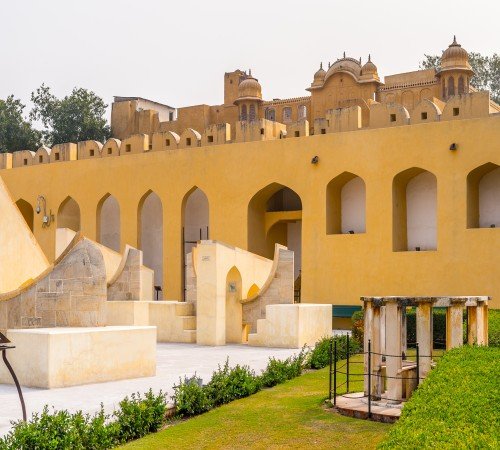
(453, 146)
(47, 219)
(315, 160)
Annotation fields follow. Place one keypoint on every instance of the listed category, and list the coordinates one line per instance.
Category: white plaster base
(292, 326)
(60, 357)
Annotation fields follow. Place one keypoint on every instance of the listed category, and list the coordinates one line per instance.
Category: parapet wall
(376, 115)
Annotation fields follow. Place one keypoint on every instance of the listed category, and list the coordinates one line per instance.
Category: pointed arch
(346, 204)
(414, 197)
(108, 222)
(234, 309)
(195, 216)
(68, 214)
(483, 196)
(150, 235)
(274, 215)
(27, 211)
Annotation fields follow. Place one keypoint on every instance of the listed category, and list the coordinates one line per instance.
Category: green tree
(79, 116)
(486, 71)
(15, 132)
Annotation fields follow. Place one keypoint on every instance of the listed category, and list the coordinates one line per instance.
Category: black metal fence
(354, 376)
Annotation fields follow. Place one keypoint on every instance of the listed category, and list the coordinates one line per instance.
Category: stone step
(184, 309)
(189, 322)
(190, 336)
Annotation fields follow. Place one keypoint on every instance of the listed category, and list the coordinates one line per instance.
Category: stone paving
(173, 361)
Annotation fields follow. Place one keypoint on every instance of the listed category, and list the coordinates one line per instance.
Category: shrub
(358, 326)
(320, 355)
(190, 397)
(61, 430)
(228, 384)
(494, 327)
(455, 407)
(139, 416)
(278, 371)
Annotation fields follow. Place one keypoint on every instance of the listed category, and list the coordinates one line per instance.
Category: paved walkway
(173, 361)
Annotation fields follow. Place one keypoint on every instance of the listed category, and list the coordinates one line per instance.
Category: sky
(177, 52)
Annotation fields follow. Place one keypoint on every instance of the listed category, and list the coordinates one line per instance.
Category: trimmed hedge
(456, 407)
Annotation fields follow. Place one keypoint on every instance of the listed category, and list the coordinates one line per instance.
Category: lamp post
(4, 346)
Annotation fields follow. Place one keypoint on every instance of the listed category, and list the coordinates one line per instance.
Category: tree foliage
(79, 116)
(486, 71)
(15, 132)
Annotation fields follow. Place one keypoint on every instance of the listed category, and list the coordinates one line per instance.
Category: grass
(291, 415)
(494, 327)
(456, 407)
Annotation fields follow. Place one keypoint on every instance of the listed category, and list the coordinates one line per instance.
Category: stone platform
(356, 405)
(61, 357)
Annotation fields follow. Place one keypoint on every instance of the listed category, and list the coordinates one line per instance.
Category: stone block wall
(127, 284)
(72, 293)
(277, 290)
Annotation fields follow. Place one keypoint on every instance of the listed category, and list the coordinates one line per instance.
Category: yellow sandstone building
(379, 187)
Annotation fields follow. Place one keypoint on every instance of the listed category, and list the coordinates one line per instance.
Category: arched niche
(234, 311)
(27, 211)
(108, 222)
(68, 215)
(414, 210)
(483, 197)
(150, 229)
(275, 216)
(346, 205)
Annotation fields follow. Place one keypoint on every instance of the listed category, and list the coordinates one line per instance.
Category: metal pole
(334, 372)
(347, 365)
(16, 382)
(369, 378)
(330, 372)
(418, 366)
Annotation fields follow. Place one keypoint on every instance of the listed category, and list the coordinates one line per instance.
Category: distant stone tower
(455, 72)
(249, 99)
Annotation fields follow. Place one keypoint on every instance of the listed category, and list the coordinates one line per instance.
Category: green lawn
(291, 415)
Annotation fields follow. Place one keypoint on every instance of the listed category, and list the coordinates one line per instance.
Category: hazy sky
(176, 52)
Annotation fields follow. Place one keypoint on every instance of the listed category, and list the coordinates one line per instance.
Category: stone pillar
(472, 325)
(454, 320)
(376, 357)
(393, 314)
(403, 329)
(482, 322)
(424, 335)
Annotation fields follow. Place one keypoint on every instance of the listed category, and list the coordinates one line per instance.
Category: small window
(25, 162)
(297, 134)
(393, 117)
(167, 142)
(110, 151)
(91, 152)
(170, 116)
(210, 138)
(40, 159)
(423, 116)
(323, 130)
(188, 141)
(150, 146)
(456, 111)
(128, 148)
(56, 156)
(262, 131)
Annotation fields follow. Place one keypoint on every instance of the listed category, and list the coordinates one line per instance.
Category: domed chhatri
(320, 73)
(455, 57)
(369, 68)
(249, 89)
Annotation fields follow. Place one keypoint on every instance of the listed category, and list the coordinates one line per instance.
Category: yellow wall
(336, 268)
(21, 258)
